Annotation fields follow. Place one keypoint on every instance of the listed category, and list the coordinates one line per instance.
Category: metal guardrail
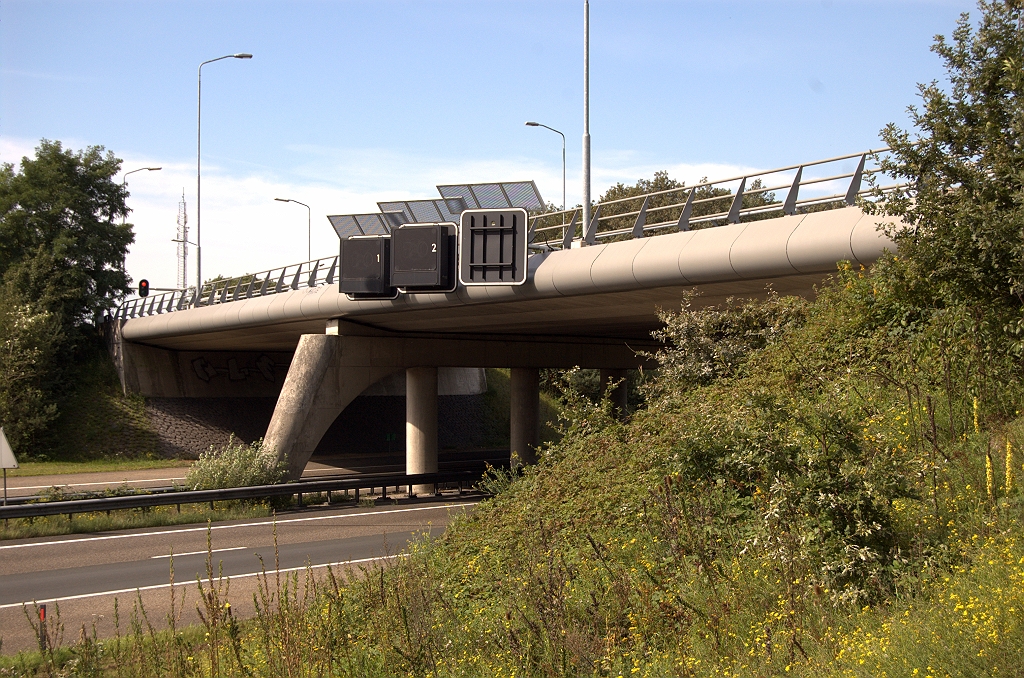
(706, 204)
(53, 508)
(311, 273)
(711, 203)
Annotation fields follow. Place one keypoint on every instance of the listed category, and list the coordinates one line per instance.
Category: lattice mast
(182, 241)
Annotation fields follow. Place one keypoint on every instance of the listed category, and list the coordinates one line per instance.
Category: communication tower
(182, 241)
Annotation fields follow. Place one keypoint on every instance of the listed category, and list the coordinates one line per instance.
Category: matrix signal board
(493, 247)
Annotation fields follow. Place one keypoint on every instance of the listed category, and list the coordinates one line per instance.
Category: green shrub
(235, 465)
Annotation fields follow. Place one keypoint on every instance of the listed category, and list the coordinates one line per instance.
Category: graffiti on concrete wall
(263, 366)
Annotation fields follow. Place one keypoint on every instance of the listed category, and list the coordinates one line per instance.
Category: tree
(964, 163)
(61, 245)
(27, 343)
(62, 252)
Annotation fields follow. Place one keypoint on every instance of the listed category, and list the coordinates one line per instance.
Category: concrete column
(421, 423)
(525, 415)
(619, 394)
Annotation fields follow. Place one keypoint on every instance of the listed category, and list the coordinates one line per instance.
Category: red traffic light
(143, 288)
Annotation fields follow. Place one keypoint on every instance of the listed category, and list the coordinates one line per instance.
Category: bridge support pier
(421, 423)
(328, 371)
(525, 415)
(619, 393)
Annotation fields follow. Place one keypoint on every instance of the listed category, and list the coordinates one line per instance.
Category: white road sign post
(7, 459)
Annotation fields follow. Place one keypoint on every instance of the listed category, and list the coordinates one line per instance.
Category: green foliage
(28, 341)
(235, 465)
(60, 243)
(62, 256)
(97, 421)
(708, 343)
(964, 163)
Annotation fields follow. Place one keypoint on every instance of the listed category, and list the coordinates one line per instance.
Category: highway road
(84, 574)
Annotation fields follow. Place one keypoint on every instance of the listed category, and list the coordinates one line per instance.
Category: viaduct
(591, 299)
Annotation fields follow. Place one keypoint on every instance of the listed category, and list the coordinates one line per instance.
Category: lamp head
(242, 56)
(154, 169)
(533, 124)
(282, 199)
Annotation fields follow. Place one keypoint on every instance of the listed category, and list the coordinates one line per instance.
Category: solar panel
(424, 211)
(460, 191)
(499, 195)
(373, 224)
(348, 225)
(345, 225)
(399, 208)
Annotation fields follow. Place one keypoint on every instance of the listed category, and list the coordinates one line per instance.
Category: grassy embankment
(810, 489)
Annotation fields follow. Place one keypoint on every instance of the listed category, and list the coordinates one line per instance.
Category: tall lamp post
(537, 124)
(199, 164)
(586, 117)
(309, 227)
(124, 180)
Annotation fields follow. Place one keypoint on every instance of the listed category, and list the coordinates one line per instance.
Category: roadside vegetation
(811, 488)
(157, 516)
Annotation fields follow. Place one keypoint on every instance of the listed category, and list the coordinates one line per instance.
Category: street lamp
(199, 163)
(309, 228)
(537, 124)
(586, 118)
(124, 180)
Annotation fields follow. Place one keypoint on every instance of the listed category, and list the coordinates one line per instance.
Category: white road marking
(197, 553)
(231, 527)
(186, 583)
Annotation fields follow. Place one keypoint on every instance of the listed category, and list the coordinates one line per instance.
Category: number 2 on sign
(433, 247)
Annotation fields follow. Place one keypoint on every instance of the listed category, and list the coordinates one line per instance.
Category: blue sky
(346, 103)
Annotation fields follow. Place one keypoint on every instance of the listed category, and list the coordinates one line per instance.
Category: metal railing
(707, 204)
(312, 273)
(70, 507)
(745, 197)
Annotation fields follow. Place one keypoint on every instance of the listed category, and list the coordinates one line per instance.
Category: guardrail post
(737, 203)
(299, 495)
(851, 194)
(590, 237)
(569, 232)
(641, 219)
(684, 217)
(794, 192)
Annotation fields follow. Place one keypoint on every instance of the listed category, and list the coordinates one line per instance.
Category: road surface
(83, 574)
